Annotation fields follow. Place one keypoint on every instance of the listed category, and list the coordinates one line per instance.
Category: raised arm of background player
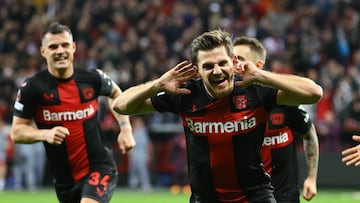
(23, 132)
(351, 155)
(311, 149)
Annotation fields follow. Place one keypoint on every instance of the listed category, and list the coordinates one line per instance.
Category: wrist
(158, 85)
(124, 124)
(44, 136)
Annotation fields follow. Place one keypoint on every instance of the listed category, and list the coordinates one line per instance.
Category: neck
(61, 73)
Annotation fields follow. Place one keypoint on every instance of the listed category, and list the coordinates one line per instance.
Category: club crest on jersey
(88, 92)
(240, 101)
(277, 118)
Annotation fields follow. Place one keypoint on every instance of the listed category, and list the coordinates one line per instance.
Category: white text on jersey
(275, 140)
(68, 115)
(221, 127)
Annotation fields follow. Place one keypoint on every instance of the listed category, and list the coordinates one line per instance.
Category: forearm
(125, 139)
(311, 149)
(123, 120)
(25, 134)
(294, 89)
(134, 100)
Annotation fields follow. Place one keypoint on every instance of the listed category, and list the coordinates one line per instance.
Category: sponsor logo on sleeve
(18, 105)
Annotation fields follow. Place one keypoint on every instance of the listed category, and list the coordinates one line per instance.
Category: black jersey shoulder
(182, 103)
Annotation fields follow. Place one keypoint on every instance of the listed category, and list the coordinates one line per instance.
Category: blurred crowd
(137, 40)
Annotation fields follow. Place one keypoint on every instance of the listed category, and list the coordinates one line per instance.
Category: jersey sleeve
(177, 103)
(24, 105)
(164, 102)
(299, 119)
(267, 95)
(106, 83)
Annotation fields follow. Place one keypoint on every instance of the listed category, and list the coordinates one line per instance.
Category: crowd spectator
(139, 173)
(28, 172)
(4, 148)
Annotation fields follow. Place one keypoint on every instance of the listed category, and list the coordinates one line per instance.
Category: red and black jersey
(223, 139)
(279, 149)
(71, 103)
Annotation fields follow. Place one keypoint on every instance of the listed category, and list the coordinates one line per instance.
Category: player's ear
(259, 64)
(197, 71)
(235, 60)
(74, 46)
(42, 51)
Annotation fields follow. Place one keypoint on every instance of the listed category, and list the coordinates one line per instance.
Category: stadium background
(137, 40)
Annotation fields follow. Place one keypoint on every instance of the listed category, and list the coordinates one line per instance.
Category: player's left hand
(310, 188)
(126, 139)
(248, 71)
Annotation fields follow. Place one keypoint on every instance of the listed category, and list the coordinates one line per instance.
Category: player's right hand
(56, 135)
(172, 80)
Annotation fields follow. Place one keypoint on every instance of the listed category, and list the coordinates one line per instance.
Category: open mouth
(218, 81)
(61, 59)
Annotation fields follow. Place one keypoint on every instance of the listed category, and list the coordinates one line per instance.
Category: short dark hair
(254, 45)
(55, 28)
(210, 40)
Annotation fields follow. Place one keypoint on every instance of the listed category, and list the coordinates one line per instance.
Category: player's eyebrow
(211, 65)
(55, 46)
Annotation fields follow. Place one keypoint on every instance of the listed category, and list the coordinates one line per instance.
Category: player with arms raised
(224, 116)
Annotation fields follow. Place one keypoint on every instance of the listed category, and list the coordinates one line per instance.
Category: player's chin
(62, 66)
(222, 92)
(220, 85)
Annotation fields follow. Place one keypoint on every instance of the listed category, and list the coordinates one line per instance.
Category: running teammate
(279, 147)
(62, 100)
(224, 123)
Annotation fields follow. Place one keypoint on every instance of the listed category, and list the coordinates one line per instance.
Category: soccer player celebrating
(279, 147)
(63, 103)
(224, 114)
